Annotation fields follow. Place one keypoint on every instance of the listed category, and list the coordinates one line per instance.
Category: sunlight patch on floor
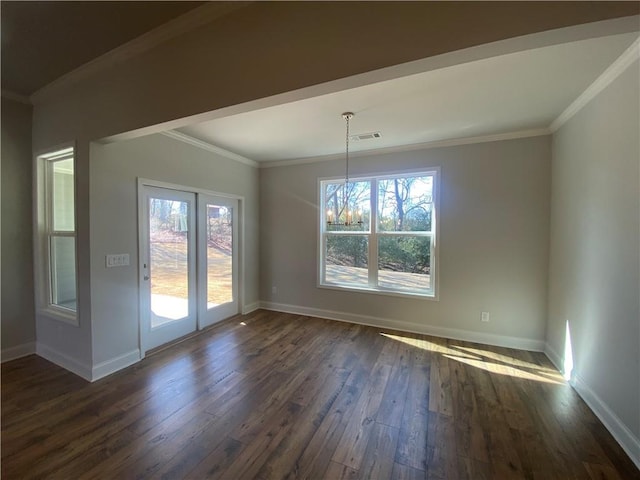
(477, 357)
(506, 359)
(503, 369)
(427, 345)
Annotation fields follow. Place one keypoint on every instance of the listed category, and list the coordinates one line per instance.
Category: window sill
(379, 291)
(60, 314)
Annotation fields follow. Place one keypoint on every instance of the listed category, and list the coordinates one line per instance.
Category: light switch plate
(117, 260)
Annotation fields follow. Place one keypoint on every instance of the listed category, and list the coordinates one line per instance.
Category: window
(379, 233)
(56, 218)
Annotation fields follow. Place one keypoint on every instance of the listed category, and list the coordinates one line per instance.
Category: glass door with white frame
(218, 258)
(168, 256)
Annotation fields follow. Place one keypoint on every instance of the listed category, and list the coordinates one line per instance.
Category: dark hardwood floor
(272, 395)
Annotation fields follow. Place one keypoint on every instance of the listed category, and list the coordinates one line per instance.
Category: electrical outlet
(484, 317)
(274, 290)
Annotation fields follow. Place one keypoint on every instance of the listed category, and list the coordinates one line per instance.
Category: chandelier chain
(347, 117)
(349, 215)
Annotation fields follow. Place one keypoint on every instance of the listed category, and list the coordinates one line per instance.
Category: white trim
(627, 440)
(185, 188)
(519, 343)
(17, 351)
(554, 356)
(178, 26)
(181, 137)
(373, 290)
(16, 97)
(451, 142)
(64, 361)
(250, 307)
(143, 303)
(614, 70)
(42, 231)
(112, 365)
(59, 314)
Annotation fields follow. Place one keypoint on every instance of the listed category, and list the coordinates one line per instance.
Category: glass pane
(405, 204)
(63, 202)
(219, 255)
(404, 263)
(63, 272)
(350, 205)
(346, 260)
(168, 268)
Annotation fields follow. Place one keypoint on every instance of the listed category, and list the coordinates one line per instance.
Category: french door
(218, 259)
(188, 263)
(168, 257)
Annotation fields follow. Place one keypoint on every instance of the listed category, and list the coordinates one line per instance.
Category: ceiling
(509, 93)
(43, 40)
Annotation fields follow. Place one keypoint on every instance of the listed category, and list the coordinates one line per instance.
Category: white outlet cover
(117, 260)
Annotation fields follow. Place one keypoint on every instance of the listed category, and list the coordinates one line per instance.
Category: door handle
(146, 277)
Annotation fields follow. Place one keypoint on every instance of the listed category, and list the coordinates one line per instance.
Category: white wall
(18, 321)
(594, 259)
(494, 227)
(114, 228)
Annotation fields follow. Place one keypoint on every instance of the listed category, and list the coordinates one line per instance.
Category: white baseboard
(555, 357)
(64, 361)
(19, 351)
(250, 307)
(627, 440)
(452, 333)
(112, 365)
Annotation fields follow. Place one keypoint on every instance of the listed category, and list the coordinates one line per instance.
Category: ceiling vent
(365, 136)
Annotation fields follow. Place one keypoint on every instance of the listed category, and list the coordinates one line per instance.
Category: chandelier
(352, 217)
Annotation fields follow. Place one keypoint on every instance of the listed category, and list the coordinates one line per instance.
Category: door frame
(146, 182)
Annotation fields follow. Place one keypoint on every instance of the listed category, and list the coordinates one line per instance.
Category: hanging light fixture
(351, 215)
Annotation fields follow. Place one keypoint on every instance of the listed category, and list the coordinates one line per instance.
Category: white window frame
(45, 233)
(373, 234)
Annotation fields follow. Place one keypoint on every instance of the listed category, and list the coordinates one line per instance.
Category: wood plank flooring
(279, 396)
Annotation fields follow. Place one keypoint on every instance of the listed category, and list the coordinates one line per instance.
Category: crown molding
(16, 97)
(187, 22)
(181, 137)
(453, 142)
(614, 70)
